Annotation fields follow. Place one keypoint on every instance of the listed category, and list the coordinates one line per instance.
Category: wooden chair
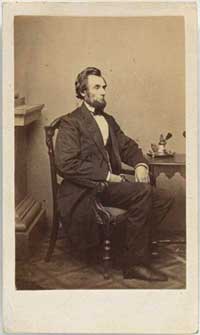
(50, 133)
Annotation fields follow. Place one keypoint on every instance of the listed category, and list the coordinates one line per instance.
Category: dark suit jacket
(82, 161)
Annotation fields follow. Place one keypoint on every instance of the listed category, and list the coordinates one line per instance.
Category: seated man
(90, 148)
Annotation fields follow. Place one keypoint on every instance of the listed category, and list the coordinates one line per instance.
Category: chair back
(50, 133)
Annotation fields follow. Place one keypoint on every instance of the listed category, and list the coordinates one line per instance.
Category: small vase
(161, 148)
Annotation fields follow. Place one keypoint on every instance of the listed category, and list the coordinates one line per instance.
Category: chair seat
(114, 211)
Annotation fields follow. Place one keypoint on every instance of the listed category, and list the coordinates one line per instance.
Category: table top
(177, 159)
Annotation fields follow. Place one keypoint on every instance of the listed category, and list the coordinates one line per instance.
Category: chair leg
(106, 259)
(53, 238)
(106, 250)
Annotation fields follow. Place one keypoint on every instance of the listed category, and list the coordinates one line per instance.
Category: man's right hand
(114, 178)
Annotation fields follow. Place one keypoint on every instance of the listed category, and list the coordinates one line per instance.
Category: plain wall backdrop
(142, 60)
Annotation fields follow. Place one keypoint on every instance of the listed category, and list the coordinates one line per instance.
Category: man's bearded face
(94, 95)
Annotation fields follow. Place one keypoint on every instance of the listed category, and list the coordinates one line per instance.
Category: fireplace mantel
(26, 114)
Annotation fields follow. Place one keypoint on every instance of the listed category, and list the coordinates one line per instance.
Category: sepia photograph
(102, 132)
(93, 94)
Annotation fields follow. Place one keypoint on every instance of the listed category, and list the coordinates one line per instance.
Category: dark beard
(97, 104)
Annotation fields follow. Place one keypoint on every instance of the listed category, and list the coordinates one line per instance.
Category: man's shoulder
(74, 115)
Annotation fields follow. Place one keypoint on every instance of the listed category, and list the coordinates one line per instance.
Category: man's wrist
(114, 178)
(108, 176)
(142, 164)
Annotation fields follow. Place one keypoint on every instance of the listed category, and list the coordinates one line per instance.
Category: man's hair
(81, 80)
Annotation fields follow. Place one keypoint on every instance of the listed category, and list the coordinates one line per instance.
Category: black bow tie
(97, 112)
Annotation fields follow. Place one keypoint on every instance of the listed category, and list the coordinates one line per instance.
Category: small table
(167, 165)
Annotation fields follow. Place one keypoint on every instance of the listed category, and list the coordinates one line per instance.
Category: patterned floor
(65, 271)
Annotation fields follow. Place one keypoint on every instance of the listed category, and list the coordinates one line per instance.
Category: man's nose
(103, 92)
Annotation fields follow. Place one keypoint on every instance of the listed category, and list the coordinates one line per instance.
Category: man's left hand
(142, 174)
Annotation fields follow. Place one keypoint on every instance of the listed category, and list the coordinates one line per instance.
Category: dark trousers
(146, 207)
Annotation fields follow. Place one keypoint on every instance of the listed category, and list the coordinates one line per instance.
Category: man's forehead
(96, 80)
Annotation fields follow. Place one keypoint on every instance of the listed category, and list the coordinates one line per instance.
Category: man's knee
(163, 198)
(146, 189)
(143, 195)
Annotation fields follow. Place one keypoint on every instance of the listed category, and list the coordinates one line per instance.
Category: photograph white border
(101, 311)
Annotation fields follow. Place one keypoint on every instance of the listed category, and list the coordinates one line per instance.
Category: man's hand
(142, 174)
(114, 178)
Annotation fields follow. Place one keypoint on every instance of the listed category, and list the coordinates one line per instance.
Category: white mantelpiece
(26, 114)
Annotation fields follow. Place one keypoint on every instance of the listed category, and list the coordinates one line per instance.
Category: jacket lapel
(114, 143)
(92, 128)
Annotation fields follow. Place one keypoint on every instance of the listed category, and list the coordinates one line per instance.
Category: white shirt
(101, 122)
(103, 127)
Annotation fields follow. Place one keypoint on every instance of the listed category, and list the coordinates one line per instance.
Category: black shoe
(144, 273)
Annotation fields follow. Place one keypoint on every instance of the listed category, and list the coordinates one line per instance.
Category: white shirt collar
(91, 109)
